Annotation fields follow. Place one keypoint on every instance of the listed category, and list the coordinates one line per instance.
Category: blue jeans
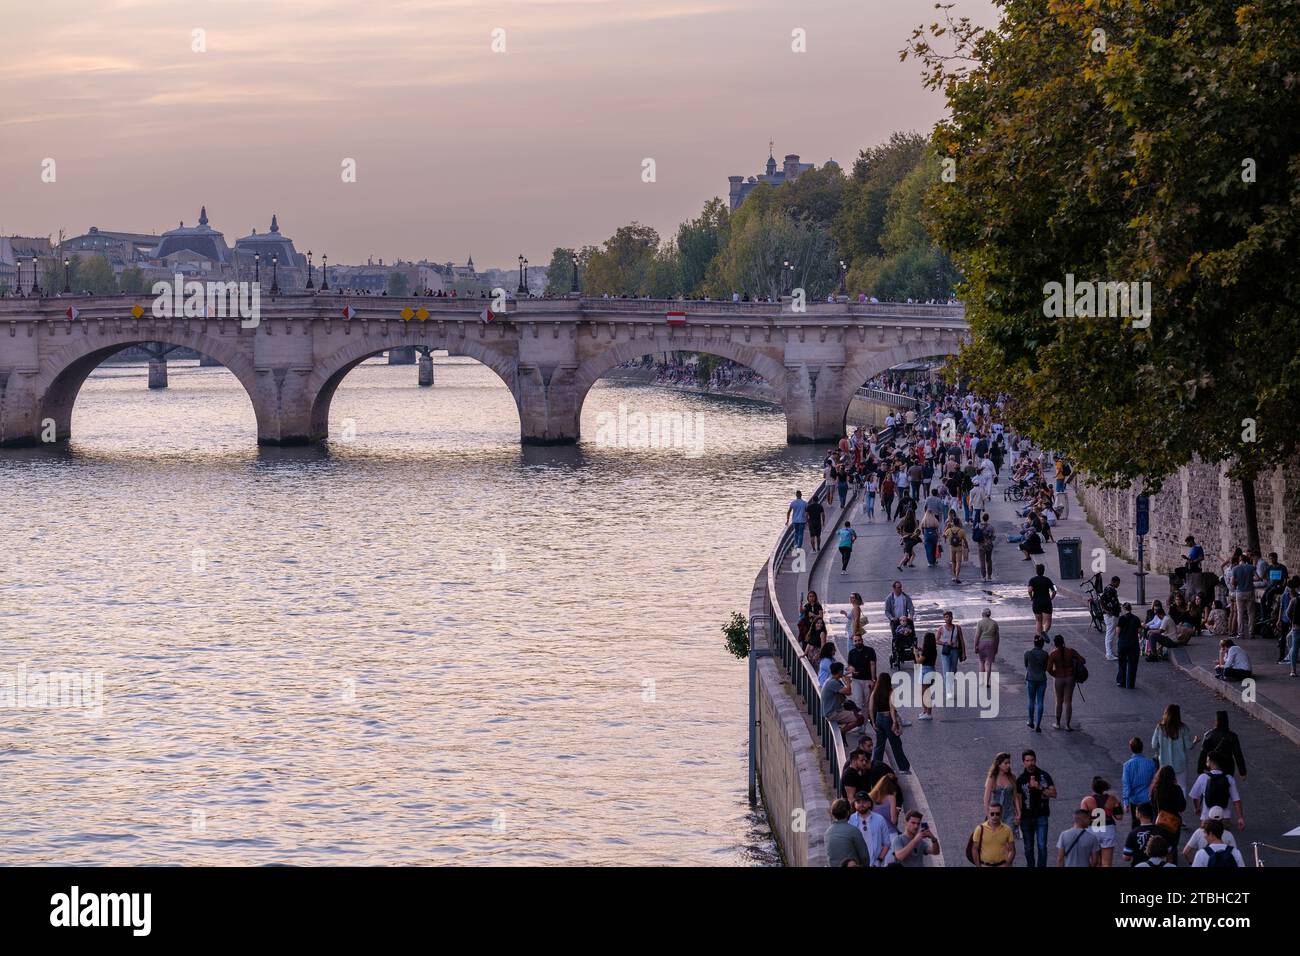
(931, 536)
(871, 504)
(1033, 831)
(885, 734)
(1036, 691)
(798, 534)
(965, 504)
(843, 492)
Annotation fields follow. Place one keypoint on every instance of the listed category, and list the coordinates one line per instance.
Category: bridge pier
(809, 413)
(548, 405)
(158, 372)
(426, 368)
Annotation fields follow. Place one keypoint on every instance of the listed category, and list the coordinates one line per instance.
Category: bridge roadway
(549, 352)
(950, 756)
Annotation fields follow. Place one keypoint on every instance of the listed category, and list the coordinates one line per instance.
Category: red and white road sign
(71, 313)
(349, 312)
(676, 318)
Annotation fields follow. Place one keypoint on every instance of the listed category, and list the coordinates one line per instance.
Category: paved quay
(951, 755)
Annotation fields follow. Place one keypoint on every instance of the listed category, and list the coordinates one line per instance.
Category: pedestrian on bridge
(847, 537)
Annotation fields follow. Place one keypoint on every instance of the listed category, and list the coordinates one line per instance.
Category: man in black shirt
(814, 513)
(854, 777)
(1036, 791)
(1129, 644)
(1135, 846)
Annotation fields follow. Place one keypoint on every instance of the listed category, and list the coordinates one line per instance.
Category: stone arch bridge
(549, 352)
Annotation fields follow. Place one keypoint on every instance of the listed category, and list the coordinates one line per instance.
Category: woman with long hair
(926, 653)
(1111, 809)
(1168, 801)
(884, 800)
(1000, 788)
(956, 537)
(881, 712)
(1171, 742)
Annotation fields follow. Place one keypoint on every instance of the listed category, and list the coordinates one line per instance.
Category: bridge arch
(596, 366)
(871, 364)
(64, 371)
(325, 379)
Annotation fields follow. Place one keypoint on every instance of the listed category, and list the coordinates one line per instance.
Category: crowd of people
(933, 474)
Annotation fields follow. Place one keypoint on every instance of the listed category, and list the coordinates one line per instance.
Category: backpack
(1080, 669)
(1222, 857)
(1218, 792)
(977, 534)
(1066, 470)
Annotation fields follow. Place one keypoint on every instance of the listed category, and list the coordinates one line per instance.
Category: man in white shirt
(1197, 841)
(873, 826)
(1235, 665)
(1215, 846)
(1216, 790)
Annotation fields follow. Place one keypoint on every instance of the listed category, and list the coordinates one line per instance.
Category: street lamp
(309, 283)
(324, 273)
(257, 267)
(522, 290)
(785, 271)
(843, 273)
(574, 289)
(66, 286)
(525, 275)
(275, 274)
(36, 278)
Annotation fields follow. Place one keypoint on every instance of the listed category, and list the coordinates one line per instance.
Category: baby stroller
(902, 644)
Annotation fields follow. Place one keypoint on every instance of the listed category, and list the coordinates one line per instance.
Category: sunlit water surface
(424, 644)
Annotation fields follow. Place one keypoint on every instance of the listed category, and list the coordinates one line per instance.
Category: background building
(740, 187)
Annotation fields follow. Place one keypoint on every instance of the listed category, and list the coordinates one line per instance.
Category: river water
(426, 644)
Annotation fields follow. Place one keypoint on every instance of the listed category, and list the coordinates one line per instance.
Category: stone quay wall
(1201, 500)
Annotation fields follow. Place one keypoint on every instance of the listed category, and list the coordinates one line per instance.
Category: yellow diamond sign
(137, 311)
(421, 313)
(407, 314)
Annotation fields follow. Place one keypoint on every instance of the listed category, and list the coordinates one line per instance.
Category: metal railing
(888, 398)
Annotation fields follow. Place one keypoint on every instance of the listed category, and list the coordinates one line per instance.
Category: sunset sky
(458, 149)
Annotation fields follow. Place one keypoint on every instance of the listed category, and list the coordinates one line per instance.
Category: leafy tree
(85, 274)
(132, 280)
(1164, 149)
(761, 241)
(398, 284)
(860, 220)
(816, 195)
(698, 242)
(559, 272)
(625, 264)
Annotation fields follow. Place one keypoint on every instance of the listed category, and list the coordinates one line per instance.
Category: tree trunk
(1252, 517)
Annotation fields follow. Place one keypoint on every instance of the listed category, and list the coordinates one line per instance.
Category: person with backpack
(1196, 842)
(1103, 811)
(1214, 788)
(1064, 666)
(1217, 853)
(1158, 849)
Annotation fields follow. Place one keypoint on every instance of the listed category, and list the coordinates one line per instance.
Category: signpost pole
(1143, 523)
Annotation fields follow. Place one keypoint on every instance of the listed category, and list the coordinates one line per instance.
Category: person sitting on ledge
(1233, 664)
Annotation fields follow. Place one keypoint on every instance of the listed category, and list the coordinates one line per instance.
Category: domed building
(291, 265)
(194, 249)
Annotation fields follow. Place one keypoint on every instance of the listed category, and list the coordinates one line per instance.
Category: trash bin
(1070, 553)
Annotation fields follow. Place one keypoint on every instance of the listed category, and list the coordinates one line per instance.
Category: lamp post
(785, 271)
(522, 290)
(257, 267)
(309, 283)
(525, 275)
(574, 289)
(844, 270)
(324, 273)
(36, 278)
(275, 274)
(67, 287)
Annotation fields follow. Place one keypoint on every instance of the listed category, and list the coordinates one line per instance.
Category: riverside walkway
(951, 755)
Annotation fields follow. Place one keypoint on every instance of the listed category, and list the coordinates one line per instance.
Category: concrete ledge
(1261, 709)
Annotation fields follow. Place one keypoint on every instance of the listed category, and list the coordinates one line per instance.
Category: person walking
(982, 535)
(1220, 740)
(1036, 685)
(814, 513)
(1103, 810)
(1110, 611)
(930, 535)
(926, 653)
(842, 484)
(1171, 742)
(847, 537)
(952, 651)
(992, 843)
(1079, 845)
(869, 492)
(1128, 630)
(1135, 782)
(1062, 665)
(1042, 591)
(882, 714)
(1036, 790)
(957, 547)
(1214, 788)
(1169, 801)
(887, 487)
(986, 645)
(798, 516)
(1000, 787)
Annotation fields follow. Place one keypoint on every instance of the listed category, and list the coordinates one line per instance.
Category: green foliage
(736, 633)
(132, 280)
(816, 196)
(398, 284)
(762, 239)
(860, 220)
(84, 274)
(559, 273)
(626, 265)
(1127, 165)
(698, 243)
